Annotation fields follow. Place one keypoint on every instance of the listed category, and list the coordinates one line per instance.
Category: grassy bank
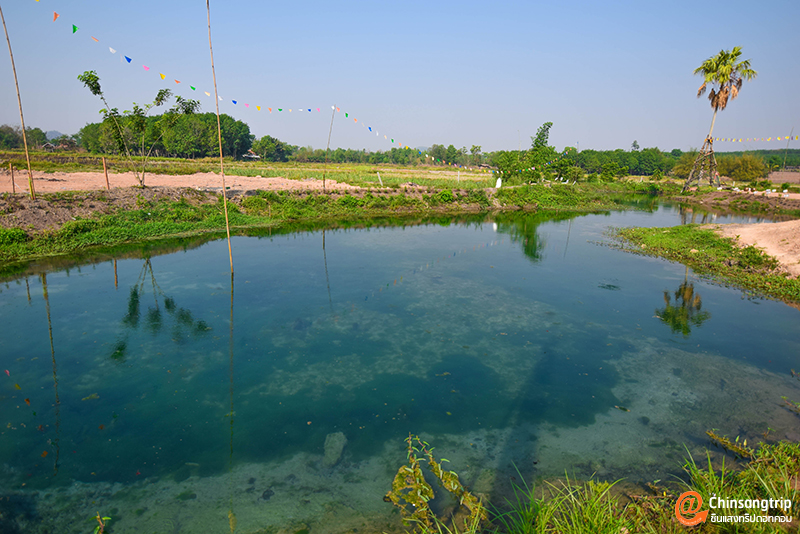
(707, 253)
(189, 212)
(766, 474)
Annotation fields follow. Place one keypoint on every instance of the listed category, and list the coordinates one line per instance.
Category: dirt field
(209, 181)
(781, 240)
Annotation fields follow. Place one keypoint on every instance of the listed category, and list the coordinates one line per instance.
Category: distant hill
(53, 134)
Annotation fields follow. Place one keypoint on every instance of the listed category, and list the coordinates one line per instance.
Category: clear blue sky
(463, 73)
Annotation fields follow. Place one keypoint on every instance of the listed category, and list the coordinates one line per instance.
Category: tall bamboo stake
(13, 185)
(219, 136)
(325, 168)
(19, 102)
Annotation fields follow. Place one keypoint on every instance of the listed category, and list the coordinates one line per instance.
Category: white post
(379, 179)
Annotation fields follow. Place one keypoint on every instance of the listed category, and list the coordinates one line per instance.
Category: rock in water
(334, 447)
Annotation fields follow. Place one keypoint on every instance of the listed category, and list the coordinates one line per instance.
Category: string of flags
(757, 139)
(126, 59)
(551, 162)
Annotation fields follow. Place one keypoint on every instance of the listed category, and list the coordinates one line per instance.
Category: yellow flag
(162, 76)
(258, 108)
(207, 93)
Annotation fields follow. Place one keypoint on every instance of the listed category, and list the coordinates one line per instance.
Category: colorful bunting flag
(145, 67)
(234, 101)
(176, 81)
(95, 39)
(162, 76)
(127, 59)
(74, 28)
(55, 16)
(112, 50)
(207, 93)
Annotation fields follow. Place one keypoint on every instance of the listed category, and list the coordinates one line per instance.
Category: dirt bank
(90, 181)
(781, 240)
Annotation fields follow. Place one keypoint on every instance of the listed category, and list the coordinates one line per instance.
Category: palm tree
(725, 72)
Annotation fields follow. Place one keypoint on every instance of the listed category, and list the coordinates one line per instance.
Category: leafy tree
(130, 129)
(725, 72)
(744, 168)
(542, 136)
(476, 154)
(451, 155)
(273, 149)
(634, 146)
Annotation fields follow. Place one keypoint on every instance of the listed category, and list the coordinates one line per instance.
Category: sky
(419, 72)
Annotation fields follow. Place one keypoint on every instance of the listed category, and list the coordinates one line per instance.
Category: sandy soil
(781, 240)
(209, 181)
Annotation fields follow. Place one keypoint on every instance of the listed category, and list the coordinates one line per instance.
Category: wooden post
(11, 170)
(105, 171)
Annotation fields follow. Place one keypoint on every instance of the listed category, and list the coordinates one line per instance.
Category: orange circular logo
(689, 503)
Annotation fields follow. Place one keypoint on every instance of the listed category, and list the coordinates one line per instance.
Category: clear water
(168, 402)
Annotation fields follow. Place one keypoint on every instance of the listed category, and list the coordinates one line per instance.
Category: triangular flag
(234, 101)
(290, 110)
(55, 16)
(127, 59)
(270, 110)
(258, 108)
(346, 114)
(309, 110)
(207, 93)
(74, 28)
(355, 120)
(145, 67)
(220, 98)
(247, 105)
(176, 81)
(112, 50)
(193, 88)
(162, 76)
(370, 128)
(93, 38)
(317, 109)
(338, 110)
(280, 109)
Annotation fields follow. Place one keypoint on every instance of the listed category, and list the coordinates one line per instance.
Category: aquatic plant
(101, 523)
(410, 488)
(742, 451)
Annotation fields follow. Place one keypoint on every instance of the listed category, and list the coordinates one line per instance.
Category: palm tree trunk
(712, 122)
(21, 118)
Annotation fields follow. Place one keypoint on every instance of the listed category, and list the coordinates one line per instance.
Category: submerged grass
(707, 253)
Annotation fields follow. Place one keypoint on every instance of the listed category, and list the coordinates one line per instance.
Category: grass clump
(707, 253)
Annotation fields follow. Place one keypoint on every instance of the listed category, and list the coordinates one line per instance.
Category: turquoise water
(169, 399)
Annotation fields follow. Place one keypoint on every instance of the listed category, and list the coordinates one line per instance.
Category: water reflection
(183, 323)
(685, 311)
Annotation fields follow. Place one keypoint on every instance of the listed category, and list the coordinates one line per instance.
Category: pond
(144, 386)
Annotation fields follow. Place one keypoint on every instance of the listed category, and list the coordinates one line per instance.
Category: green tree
(542, 136)
(725, 73)
(130, 129)
(476, 154)
(451, 155)
(634, 146)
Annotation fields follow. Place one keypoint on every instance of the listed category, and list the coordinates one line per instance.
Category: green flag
(74, 28)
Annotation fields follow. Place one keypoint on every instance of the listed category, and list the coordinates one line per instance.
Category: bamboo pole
(327, 148)
(57, 404)
(105, 171)
(21, 117)
(219, 136)
(13, 185)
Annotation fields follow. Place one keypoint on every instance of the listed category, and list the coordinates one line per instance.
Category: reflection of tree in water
(685, 311)
(163, 312)
(522, 228)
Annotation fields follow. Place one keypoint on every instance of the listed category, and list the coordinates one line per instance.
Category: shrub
(9, 236)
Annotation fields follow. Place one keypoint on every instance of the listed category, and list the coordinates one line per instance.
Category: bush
(9, 236)
(80, 226)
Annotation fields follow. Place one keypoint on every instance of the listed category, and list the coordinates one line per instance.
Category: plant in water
(410, 488)
(130, 129)
(101, 523)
